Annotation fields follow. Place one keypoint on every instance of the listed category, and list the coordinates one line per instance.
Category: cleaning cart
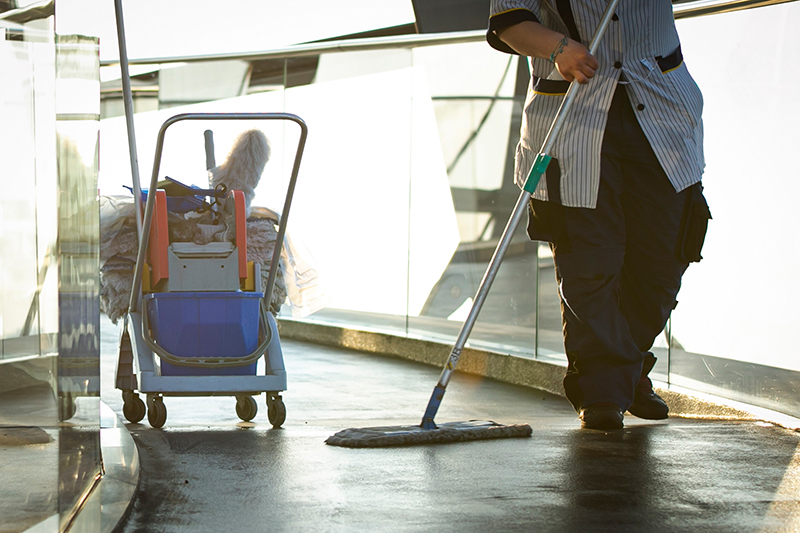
(198, 320)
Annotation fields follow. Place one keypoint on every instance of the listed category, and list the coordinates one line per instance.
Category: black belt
(559, 87)
(670, 62)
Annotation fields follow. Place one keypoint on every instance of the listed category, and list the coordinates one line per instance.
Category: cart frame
(137, 369)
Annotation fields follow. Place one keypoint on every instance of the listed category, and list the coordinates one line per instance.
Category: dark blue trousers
(617, 266)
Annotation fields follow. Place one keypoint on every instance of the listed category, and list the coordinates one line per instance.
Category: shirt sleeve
(505, 19)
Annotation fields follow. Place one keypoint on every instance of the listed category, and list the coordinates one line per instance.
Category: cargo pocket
(538, 222)
(546, 218)
(694, 225)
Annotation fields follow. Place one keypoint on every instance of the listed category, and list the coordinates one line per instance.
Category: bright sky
(155, 28)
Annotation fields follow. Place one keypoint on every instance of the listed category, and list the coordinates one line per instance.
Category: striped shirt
(640, 48)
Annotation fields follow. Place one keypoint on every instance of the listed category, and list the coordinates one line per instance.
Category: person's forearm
(572, 59)
(530, 38)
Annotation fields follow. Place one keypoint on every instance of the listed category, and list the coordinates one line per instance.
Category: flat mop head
(378, 437)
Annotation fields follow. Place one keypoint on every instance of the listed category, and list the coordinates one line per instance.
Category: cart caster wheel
(66, 407)
(246, 408)
(157, 413)
(276, 410)
(133, 408)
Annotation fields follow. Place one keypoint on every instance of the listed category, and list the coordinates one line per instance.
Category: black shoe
(601, 415)
(646, 403)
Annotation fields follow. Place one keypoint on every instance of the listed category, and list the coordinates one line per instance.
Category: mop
(428, 432)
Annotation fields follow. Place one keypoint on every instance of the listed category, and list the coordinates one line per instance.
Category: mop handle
(127, 99)
(211, 162)
(536, 172)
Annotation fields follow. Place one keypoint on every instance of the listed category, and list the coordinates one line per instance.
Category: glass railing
(49, 323)
(406, 185)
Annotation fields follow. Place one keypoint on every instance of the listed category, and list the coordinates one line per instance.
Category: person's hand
(573, 60)
(576, 63)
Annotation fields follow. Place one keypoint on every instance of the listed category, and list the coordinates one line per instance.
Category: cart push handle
(148, 210)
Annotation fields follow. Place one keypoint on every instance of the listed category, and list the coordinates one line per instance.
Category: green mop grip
(537, 171)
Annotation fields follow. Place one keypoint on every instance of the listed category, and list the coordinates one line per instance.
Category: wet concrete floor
(208, 471)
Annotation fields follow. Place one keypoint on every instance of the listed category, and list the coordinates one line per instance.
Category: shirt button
(617, 65)
(640, 107)
(614, 17)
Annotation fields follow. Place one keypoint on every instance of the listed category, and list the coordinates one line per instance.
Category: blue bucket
(205, 324)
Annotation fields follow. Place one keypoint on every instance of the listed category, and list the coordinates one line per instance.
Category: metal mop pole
(536, 172)
(127, 98)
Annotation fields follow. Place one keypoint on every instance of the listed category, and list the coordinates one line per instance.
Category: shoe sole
(649, 417)
(602, 427)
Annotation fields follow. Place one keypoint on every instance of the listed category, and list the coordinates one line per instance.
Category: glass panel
(29, 445)
(351, 208)
(19, 251)
(201, 82)
(477, 133)
(734, 330)
(78, 113)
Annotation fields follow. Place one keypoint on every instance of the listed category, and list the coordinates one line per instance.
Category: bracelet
(559, 48)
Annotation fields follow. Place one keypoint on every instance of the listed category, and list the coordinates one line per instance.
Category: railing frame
(684, 10)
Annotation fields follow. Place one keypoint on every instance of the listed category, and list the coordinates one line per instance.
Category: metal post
(127, 97)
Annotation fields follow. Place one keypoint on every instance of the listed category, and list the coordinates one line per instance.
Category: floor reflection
(79, 469)
(46, 465)
(28, 446)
